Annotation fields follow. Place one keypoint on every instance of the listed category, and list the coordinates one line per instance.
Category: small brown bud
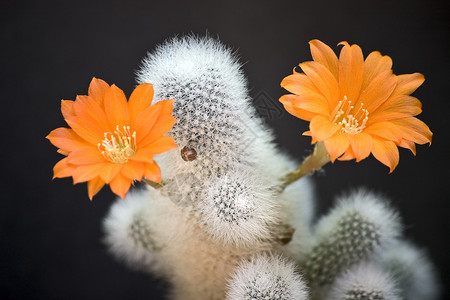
(286, 234)
(188, 154)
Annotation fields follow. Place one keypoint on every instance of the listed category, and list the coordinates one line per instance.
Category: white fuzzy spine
(266, 277)
(128, 233)
(365, 281)
(412, 270)
(239, 208)
(357, 229)
(211, 106)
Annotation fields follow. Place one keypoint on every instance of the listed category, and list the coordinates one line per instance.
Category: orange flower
(356, 106)
(112, 141)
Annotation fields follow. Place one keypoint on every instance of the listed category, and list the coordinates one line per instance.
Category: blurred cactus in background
(364, 281)
(357, 229)
(220, 227)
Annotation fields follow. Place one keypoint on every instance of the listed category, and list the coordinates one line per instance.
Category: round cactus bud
(188, 154)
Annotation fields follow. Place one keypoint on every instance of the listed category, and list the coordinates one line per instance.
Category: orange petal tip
(343, 43)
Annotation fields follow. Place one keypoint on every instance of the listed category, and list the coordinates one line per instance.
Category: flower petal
(396, 107)
(374, 65)
(288, 103)
(348, 155)
(86, 107)
(63, 152)
(166, 106)
(116, 107)
(143, 155)
(385, 130)
(322, 128)
(66, 139)
(386, 152)
(300, 84)
(97, 89)
(308, 133)
(312, 103)
(86, 156)
(67, 108)
(414, 130)
(86, 129)
(378, 91)
(336, 145)
(152, 172)
(323, 80)
(351, 71)
(164, 122)
(133, 170)
(110, 171)
(161, 145)
(120, 185)
(324, 55)
(86, 172)
(408, 83)
(408, 145)
(63, 169)
(161, 127)
(140, 99)
(145, 121)
(361, 145)
(94, 186)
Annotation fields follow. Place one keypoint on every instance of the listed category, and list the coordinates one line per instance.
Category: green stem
(153, 184)
(313, 162)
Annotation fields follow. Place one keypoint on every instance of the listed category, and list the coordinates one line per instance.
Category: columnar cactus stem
(365, 281)
(356, 230)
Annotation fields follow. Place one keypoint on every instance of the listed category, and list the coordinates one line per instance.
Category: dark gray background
(50, 232)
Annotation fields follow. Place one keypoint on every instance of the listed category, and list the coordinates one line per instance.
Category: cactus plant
(220, 225)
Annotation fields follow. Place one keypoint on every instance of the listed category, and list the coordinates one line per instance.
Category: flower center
(118, 146)
(352, 122)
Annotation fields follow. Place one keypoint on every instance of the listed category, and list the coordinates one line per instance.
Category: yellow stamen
(351, 123)
(118, 146)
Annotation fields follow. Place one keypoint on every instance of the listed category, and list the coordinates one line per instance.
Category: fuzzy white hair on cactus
(359, 227)
(266, 277)
(212, 104)
(365, 281)
(371, 207)
(128, 235)
(239, 208)
(413, 271)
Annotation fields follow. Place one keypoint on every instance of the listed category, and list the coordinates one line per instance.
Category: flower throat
(351, 122)
(118, 146)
